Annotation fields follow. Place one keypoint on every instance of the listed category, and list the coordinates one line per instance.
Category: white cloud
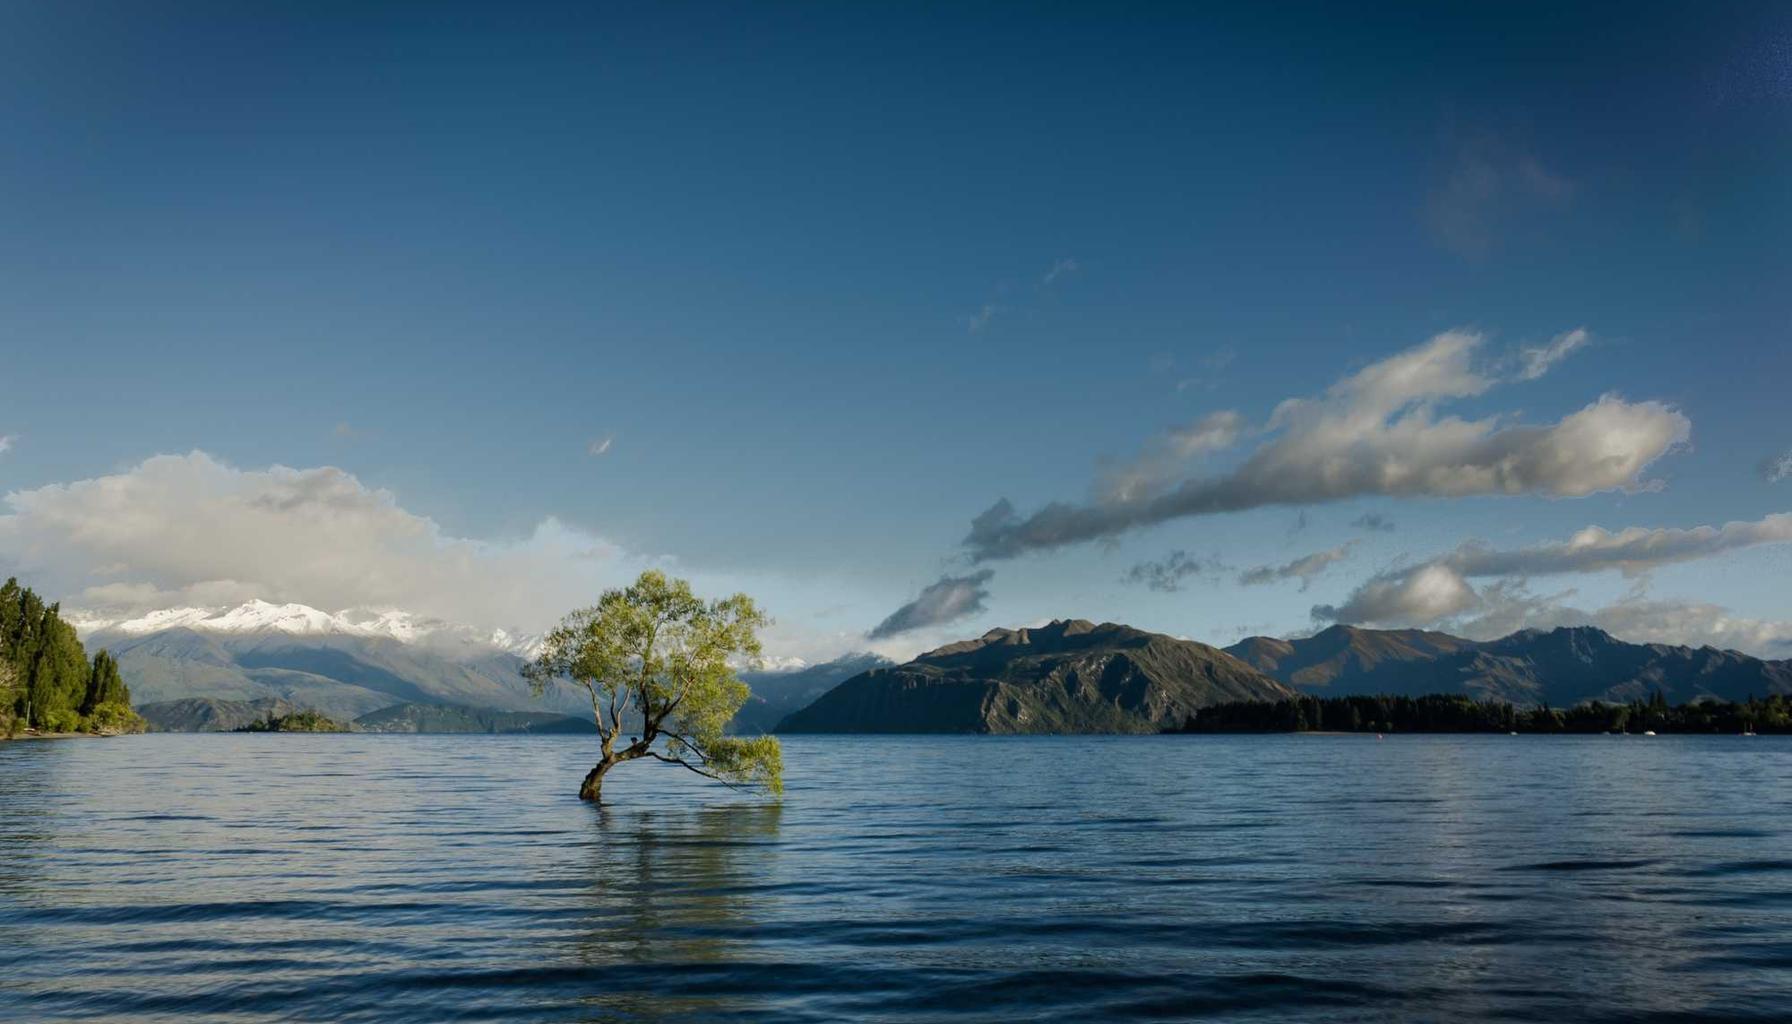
(1426, 594)
(1631, 551)
(1538, 361)
(600, 446)
(1438, 592)
(1375, 432)
(1773, 470)
(189, 530)
(1167, 457)
(948, 600)
(6, 441)
(1506, 608)
(1305, 568)
(1407, 596)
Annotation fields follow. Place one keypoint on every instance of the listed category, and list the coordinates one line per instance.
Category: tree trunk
(593, 786)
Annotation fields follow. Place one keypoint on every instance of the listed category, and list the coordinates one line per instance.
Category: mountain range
(343, 664)
(1071, 676)
(1560, 667)
(263, 618)
(415, 674)
(214, 669)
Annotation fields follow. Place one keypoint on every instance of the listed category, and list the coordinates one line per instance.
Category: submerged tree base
(592, 789)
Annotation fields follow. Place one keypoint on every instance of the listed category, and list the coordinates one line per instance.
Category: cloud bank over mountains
(1439, 592)
(191, 531)
(1439, 588)
(1376, 432)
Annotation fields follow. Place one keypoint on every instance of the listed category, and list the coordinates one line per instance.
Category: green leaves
(657, 650)
(44, 673)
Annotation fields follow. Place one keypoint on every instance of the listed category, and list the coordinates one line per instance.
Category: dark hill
(1561, 667)
(1067, 677)
(213, 714)
(777, 694)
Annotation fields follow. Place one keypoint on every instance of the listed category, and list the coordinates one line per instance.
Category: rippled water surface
(1323, 878)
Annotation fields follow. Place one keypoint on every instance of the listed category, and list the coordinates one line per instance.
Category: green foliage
(104, 686)
(298, 721)
(656, 654)
(115, 716)
(1457, 713)
(11, 692)
(50, 684)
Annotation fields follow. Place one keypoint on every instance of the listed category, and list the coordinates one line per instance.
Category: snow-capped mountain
(345, 664)
(264, 617)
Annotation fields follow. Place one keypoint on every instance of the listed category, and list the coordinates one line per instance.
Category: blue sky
(832, 280)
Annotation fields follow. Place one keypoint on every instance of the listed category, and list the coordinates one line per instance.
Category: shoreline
(33, 734)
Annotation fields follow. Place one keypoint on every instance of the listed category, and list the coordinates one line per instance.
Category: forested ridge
(46, 679)
(1456, 713)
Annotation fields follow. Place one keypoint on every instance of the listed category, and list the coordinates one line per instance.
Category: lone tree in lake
(656, 653)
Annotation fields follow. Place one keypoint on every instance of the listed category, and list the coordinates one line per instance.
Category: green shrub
(114, 716)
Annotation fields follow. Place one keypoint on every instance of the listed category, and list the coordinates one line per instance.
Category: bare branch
(706, 774)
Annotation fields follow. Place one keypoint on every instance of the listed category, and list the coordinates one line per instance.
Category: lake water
(1321, 878)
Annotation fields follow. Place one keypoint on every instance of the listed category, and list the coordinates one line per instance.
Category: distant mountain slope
(1561, 667)
(348, 665)
(208, 714)
(449, 718)
(1067, 677)
(777, 694)
(1313, 663)
(341, 675)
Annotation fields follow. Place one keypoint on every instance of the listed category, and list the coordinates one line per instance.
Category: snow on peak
(257, 616)
(781, 663)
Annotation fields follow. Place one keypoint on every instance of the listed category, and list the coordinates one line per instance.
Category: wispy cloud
(1211, 364)
(979, 320)
(1305, 568)
(986, 314)
(1165, 459)
(1537, 361)
(948, 600)
(1374, 522)
(6, 441)
(1059, 269)
(600, 446)
(1485, 183)
(1375, 432)
(1167, 573)
(1773, 469)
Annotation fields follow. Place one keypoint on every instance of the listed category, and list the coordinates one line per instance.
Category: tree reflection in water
(676, 893)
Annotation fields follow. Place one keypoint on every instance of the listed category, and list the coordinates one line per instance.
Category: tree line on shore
(298, 721)
(46, 679)
(1457, 713)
